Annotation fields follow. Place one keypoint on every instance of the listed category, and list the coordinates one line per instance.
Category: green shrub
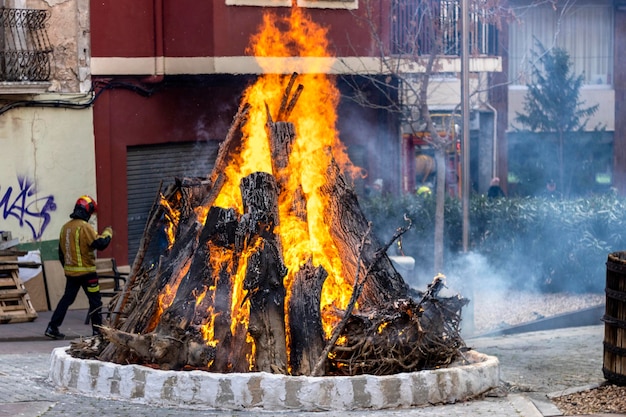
(550, 245)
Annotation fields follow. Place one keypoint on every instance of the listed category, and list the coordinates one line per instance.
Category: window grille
(25, 49)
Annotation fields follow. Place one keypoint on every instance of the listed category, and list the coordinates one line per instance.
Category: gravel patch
(605, 399)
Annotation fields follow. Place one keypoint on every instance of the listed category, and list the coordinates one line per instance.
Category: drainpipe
(494, 162)
(159, 46)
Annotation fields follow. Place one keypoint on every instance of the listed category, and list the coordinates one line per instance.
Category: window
(584, 29)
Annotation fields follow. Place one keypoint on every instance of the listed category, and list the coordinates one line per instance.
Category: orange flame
(167, 295)
(172, 217)
(283, 45)
(279, 40)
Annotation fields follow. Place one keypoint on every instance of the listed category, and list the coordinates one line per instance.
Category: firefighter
(78, 242)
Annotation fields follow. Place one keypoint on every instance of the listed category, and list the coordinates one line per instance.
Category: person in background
(551, 191)
(376, 189)
(78, 242)
(495, 191)
(424, 189)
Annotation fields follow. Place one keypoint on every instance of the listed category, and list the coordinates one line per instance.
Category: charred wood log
(221, 225)
(384, 284)
(169, 351)
(142, 311)
(137, 306)
(288, 103)
(264, 283)
(281, 137)
(265, 271)
(147, 241)
(260, 201)
(305, 321)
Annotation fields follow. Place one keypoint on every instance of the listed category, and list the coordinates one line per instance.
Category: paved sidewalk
(532, 365)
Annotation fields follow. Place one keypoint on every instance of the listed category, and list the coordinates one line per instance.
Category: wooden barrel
(614, 364)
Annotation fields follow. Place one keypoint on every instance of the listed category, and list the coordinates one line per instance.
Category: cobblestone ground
(536, 364)
(548, 361)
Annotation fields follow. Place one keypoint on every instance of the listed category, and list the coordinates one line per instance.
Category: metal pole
(468, 318)
(465, 144)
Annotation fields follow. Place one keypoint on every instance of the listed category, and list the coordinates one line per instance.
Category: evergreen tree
(552, 103)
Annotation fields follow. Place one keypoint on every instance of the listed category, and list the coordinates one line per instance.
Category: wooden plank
(12, 305)
(20, 264)
(14, 293)
(9, 267)
(7, 282)
(12, 253)
(16, 318)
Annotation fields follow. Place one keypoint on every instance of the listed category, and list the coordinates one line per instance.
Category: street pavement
(532, 365)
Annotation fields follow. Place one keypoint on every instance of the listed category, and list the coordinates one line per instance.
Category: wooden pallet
(15, 304)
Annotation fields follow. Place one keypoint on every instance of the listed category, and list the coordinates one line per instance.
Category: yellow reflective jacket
(77, 244)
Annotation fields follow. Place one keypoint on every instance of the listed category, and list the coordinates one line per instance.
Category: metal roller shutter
(147, 166)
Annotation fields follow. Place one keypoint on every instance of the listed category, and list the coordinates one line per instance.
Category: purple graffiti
(26, 207)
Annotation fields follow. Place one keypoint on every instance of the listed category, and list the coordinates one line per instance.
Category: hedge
(549, 245)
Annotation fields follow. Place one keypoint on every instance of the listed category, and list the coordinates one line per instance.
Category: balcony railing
(25, 50)
(424, 27)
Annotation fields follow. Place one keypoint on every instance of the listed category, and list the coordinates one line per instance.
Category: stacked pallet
(15, 303)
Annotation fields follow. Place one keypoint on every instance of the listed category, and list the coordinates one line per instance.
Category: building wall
(48, 161)
(46, 133)
(619, 139)
(68, 33)
(604, 96)
(188, 28)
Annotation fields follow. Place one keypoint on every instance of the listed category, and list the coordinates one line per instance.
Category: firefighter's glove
(108, 232)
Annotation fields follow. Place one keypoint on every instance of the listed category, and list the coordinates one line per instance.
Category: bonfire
(271, 265)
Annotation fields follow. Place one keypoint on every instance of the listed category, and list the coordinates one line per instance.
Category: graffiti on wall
(23, 204)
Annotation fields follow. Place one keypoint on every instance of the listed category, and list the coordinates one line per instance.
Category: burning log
(265, 271)
(305, 321)
(232, 294)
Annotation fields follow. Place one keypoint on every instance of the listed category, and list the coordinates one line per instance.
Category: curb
(259, 390)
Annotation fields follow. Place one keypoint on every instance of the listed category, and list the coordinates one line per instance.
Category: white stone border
(240, 391)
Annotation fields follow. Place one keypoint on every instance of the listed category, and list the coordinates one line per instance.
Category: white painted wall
(53, 151)
(591, 95)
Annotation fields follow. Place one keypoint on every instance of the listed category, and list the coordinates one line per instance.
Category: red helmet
(88, 203)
